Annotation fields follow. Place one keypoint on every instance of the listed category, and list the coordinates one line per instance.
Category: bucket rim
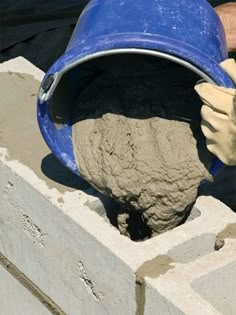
(103, 47)
(55, 79)
(155, 45)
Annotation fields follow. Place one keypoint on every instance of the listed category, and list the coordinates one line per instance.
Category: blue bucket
(187, 32)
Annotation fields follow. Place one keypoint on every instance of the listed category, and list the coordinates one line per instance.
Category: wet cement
(152, 269)
(228, 232)
(137, 139)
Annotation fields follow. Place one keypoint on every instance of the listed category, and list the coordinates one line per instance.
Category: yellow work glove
(219, 116)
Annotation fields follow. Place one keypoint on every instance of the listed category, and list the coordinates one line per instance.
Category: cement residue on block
(137, 138)
(152, 269)
(228, 232)
(19, 131)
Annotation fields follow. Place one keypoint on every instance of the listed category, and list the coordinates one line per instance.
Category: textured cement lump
(130, 143)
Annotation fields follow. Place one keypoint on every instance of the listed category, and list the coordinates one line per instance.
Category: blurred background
(40, 30)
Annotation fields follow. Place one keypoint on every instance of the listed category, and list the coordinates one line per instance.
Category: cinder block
(218, 287)
(78, 259)
(15, 299)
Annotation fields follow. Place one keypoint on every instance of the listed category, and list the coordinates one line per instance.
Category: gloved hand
(219, 116)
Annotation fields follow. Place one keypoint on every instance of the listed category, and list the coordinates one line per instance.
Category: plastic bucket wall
(187, 32)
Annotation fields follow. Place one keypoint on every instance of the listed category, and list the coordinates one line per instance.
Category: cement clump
(137, 138)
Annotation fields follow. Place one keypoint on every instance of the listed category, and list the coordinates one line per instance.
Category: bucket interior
(161, 83)
(120, 67)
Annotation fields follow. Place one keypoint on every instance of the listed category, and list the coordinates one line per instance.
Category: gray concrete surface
(16, 299)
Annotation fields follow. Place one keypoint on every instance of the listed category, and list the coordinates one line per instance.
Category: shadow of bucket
(189, 33)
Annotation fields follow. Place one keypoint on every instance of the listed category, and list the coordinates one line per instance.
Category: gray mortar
(137, 138)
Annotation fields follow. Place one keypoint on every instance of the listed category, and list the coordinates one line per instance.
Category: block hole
(134, 226)
(218, 288)
(193, 249)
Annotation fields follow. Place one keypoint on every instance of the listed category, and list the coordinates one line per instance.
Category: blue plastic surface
(190, 30)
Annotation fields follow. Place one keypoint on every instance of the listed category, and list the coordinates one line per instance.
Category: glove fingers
(216, 148)
(229, 66)
(213, 118)
(208, 131)
(213, 148)
(218, 98)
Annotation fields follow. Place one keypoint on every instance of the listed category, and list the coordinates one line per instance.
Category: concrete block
(76, 257)
(21, 65)
(218, 287)
(15, 299)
